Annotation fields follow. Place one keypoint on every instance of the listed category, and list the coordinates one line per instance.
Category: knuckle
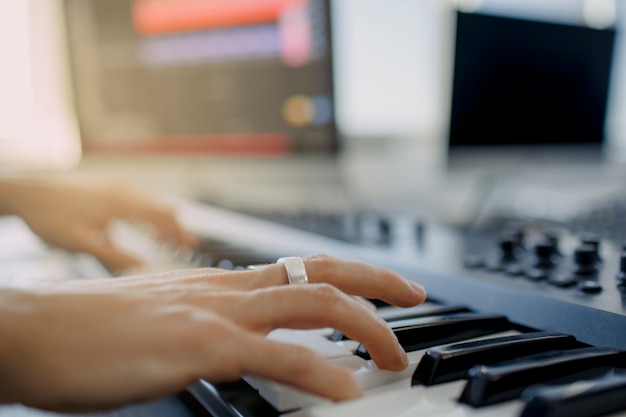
(323, 262)
(329, 299)
(202, 328)
(301, 361)
(200, 344)
(326, 292)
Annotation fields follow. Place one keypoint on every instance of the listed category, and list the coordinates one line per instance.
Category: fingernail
(401, 352)
(403, 356)
(354, 393)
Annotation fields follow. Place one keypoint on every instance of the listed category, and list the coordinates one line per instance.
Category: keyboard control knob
(552, 239)
(592, 241)
(544, 254)
(517, 235)
(585, 260)
(590, 287)
(508, 247)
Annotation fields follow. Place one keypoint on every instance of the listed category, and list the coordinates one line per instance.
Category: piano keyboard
(486, 366)
(494, 339)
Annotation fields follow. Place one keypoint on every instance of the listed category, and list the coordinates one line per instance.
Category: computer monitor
(202, 77)
(527, 91)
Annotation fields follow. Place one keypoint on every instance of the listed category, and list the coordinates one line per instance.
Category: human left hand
(75, 214)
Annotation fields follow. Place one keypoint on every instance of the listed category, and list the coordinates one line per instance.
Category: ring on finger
(296, 271)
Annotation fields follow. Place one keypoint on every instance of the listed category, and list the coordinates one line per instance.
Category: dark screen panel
(203, 76)
(520, 82)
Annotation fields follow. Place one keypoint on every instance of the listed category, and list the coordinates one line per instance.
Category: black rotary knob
(517, 235)
(508, 247)
(544, 254)
(592, 241)
(553, 239)
(585, 260)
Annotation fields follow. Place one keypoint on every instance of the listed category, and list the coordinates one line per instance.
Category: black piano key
(507, 380)
(447, 363)
(436, 310)
(400, 315)
(432, 331)
(592, 398)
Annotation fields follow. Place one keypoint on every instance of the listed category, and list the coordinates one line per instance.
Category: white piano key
(369, 376)
(252, 380)
(398, 400)
(314, 340)
(401, 400)
(284, 398)
(389, 311)
(317, 340)
(324, 332)
(351, 345)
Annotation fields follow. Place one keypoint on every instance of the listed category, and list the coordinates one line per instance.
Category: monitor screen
(202, 76)
(528, 83)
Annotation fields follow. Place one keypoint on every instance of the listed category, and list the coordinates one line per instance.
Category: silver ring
(296, 271)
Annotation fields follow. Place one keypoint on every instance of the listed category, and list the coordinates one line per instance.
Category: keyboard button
(506, 381)
(587, 398)
(423, 333)
(448, 363)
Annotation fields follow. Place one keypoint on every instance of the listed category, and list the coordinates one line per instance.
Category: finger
(367, 303)
(298, 367)
(183, 282)
(352, 277)
(314, 306)
(169, 229)
(163, 220)
(103, 249)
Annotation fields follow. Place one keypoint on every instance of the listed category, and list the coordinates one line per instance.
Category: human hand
(76, 214)
(89, 345)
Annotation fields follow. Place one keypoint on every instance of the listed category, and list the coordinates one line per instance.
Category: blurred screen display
(202, 76)
(523, 82)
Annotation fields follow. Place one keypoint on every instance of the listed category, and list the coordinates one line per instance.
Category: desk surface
(404, 178)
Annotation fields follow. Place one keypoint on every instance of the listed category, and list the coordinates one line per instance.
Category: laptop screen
(521, 82)
(211, 76)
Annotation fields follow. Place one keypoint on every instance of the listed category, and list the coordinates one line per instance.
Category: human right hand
(91, 345)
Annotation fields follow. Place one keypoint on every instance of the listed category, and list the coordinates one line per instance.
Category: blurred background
(324, 104)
